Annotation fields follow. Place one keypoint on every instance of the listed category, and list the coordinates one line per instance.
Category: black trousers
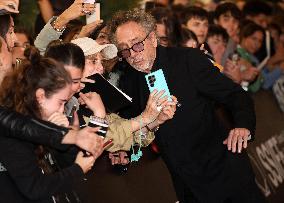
(249, 194)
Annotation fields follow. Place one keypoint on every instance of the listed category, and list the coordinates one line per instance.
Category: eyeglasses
(137, 47)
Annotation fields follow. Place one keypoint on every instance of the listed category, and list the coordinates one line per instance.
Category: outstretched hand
(77, 9)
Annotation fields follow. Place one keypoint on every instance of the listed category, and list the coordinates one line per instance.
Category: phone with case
(95, 15)
(157, 81)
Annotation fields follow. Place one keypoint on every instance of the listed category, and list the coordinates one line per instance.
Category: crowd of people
(210, 57)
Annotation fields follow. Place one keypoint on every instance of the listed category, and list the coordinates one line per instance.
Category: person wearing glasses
(198, 151)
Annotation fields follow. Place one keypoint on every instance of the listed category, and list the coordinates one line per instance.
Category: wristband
(99, 119)
(99, 122)
(152, 130)
(53, 24)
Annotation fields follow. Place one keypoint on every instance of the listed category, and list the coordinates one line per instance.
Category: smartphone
(103, 127)
(156, 80)
(95, 15)
(70, 117)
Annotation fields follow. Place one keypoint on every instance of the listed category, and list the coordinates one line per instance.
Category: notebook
(113, 98)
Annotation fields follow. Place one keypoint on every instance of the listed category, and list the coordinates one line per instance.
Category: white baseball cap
(90, 47)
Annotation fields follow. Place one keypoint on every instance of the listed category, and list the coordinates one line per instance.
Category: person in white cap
(95, 55)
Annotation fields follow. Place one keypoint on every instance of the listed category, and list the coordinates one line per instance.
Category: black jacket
(15, 125)
(23, 181)
(191, 143)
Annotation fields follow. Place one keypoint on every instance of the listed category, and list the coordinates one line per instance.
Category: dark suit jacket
(191, 143)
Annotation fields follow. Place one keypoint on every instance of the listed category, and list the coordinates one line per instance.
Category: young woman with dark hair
(251, 39)
(8, 38)
(38, 88)
(7, 30)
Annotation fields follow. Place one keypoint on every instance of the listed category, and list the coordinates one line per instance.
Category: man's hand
(156, 102)
(237, 139)
(168, 111)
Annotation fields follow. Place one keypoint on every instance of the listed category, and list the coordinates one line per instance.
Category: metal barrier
(267, 151)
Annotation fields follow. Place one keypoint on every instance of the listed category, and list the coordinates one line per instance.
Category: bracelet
(53, 24)
(152, 130)
(143, 118)
(144, 124)
(99, 119)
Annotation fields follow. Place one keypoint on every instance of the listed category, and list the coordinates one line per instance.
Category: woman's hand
(8, 4)
(86, 139)
(232, 71)
(168, 111)
(77, 9)
(89, 28)
(59, 119)
(119, 157)
(93, 102)
(85, 162)
(250, 74)
(156, 102)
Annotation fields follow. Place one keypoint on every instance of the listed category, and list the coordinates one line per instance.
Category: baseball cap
(90, 47)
